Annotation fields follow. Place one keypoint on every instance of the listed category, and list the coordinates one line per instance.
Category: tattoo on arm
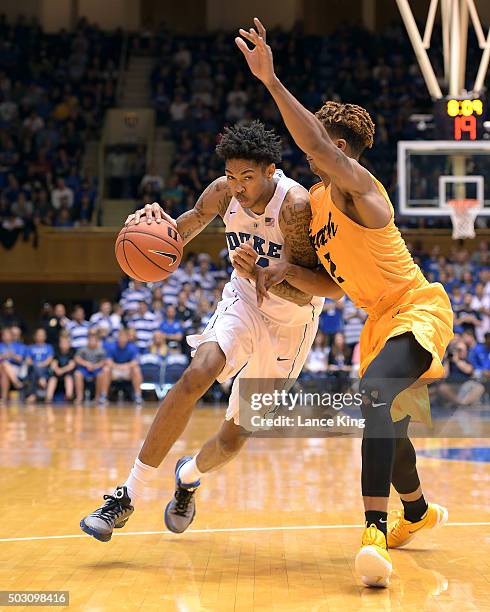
(190, 223)
(224, 197)
(294, 221)
(287, 292)
(214, 200)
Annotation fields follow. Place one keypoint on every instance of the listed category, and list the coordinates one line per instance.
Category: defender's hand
(259, 59)
(151, 212)
(267, 278)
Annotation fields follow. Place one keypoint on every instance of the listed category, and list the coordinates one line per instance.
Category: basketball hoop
(463, 214)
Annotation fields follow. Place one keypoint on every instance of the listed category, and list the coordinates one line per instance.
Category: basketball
(149, 253)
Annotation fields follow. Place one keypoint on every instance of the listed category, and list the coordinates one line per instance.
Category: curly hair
(350, 122)
(251, 142)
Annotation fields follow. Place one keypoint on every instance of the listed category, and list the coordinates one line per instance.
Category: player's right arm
(214, 200)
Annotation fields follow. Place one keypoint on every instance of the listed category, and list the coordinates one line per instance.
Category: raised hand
(151, 212)
(259, 58)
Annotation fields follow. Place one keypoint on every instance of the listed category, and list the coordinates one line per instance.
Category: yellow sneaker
(401, 531)
(373, 563)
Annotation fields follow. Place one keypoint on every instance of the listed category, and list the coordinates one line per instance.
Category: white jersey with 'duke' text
(263, 231)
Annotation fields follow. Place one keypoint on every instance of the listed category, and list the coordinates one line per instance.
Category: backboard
(431, 173)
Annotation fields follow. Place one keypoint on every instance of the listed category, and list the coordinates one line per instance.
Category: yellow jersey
(375, 269)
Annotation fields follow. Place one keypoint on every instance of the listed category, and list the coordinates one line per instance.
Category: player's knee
(376, 399)
(196, 380)
(203, 370)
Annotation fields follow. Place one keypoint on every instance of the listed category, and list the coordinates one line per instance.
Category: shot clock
(460, 118)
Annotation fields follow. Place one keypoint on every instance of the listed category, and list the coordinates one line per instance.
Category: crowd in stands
(206, 86)
(124, 342)
(54, 89)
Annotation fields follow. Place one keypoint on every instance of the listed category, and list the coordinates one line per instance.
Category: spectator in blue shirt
(12, 356)
(468, 284)
(480, 355)
(331, 319)
(171, 326)
(39, 358)
(456, 297)
(122, 364)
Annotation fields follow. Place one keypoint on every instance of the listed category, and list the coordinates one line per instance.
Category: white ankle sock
(189, 472)
(140, 475)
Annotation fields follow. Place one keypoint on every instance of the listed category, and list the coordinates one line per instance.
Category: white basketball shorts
(254, 346)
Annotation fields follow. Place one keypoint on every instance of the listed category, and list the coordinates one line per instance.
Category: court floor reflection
(276, 529)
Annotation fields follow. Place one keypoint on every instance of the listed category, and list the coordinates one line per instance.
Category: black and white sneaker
(181, 509)
(112, 515)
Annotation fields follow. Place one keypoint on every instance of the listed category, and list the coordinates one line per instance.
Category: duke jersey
(263, 231)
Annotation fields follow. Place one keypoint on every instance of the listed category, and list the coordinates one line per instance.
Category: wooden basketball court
(277, 529)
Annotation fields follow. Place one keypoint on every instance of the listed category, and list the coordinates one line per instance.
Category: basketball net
(463, 214)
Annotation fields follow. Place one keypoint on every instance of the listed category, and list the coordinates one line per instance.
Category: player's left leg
(417, 514)
(216, 452)
(398, 365)
(287, 351)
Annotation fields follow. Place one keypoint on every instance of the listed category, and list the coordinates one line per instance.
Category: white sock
(139, 477)
(189, 473)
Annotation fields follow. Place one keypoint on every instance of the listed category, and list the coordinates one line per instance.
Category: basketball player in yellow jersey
(409, 323)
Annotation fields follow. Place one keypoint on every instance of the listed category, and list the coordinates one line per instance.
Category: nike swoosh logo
(169, 255)
(283, 359)
(378, 405)
(232, 212)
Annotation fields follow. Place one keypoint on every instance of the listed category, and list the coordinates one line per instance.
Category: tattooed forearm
(223, 196)
(212, 201)
(190, 223)
(290, 293)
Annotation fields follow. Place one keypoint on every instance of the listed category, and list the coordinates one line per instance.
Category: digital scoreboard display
(460, 119)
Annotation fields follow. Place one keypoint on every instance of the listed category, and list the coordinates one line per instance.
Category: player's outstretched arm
(214, 200)
(307, 131)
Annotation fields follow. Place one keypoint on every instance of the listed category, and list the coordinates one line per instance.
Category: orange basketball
(149, 253)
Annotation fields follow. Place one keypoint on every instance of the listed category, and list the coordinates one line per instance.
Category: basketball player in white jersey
(259, 205)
